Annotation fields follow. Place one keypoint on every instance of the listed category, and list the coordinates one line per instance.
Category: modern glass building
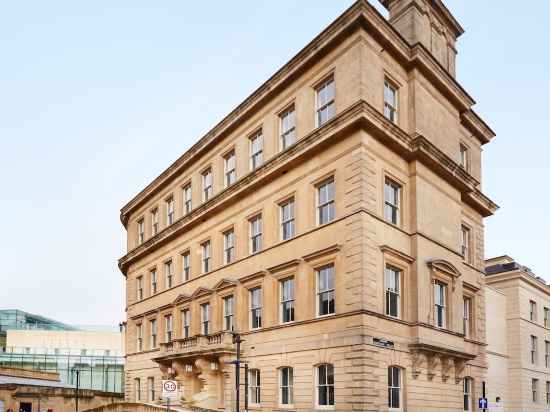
(104, 373)
(97, 369)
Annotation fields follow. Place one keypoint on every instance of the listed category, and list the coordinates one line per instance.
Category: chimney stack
(429, 23)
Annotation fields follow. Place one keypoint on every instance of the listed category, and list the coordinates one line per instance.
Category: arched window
(254, 386)
(468, 385)
(395, 388)
(286, 386)
(325, 385)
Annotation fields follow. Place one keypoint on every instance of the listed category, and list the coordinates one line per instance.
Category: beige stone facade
(364, 190)
(519, 359)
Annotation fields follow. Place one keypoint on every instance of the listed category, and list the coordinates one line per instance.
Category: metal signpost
(237, 341)
(169, 391)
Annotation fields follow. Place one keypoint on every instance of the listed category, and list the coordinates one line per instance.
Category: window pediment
(445, 267)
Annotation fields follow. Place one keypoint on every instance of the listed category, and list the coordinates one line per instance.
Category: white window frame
(254, 387)
(229, 246)
(153, 336)
(168, 328)
(440, 304)
(393, 276)
(256, 234)
(391, 111)
(535, 390)
(206, 257)
(137, 389)
(289, 387)
(139, 334)
(287, 300)
(534, 343)
(328, 203)
(464, 154)
(154, 281)
(466, 239)
(170, 211)
(253, 309)
(467, 316)
(287, 124)
(205, 319)
(187, 199)
(532, 311)
(186, 266)
(256, 143)
(141, 231)
(328, 385)
(169, 274)
(155, 222)
(139, 288)
(393, 386)
(468, 397)
(207, 185)
(229, 313)
(395, 208)
(325, 107)
(186, 323)
(230, 168)
(328, 290)
(151, 388)
(288, 224)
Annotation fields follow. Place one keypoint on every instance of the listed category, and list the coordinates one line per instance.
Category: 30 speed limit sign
(169, 389)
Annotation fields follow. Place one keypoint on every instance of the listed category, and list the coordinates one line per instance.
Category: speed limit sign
(170, 389)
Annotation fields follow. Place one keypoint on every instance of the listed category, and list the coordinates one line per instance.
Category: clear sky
(97, 98)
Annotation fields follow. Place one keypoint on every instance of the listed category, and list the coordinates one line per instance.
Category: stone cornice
(517, 275)
(360, 15)
(359, 115)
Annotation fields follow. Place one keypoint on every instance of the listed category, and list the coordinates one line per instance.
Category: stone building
(34, 391)
(518, 314)
(335, 220)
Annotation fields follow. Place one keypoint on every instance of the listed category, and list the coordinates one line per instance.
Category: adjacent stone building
(518, 316)
(335, 220)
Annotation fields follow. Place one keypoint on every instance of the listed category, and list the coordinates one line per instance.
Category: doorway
(25, 407)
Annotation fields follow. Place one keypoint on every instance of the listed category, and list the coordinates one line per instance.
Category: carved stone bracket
(417, 360)
(433, 362)
(445, 368)
(460, 366)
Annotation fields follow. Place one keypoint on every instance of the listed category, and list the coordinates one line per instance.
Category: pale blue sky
(97, 98)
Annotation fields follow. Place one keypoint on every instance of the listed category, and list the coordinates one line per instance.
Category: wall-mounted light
(214, 366)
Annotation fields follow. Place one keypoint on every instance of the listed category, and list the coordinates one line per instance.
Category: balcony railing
(214, 343)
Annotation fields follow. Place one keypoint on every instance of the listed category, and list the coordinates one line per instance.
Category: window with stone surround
(395, 388)
(186, 266)
(287, 219)
(325, 201)
(256, 150)
(186, 323)
(390, 101)
(141, 231)
(255, 234)
(532, 311)
(288, 128)
(534, 349)
(440, 301)
(468, 398)
(206, 257)
(139, 288)
(255, 308)
(393, 291)
(205, 318)
(153, 335)
(547, 353)
(534, 390)
(464, 157)
(548, 392)
(286, 387)
(324, 395)
(467, 313)
(392, 201)
(151, 388)
(229, 246)
(546, 317)
(325, 290)
(230, 168)
(466, 244)
(287, 300)
(254, 385)
(137, 389)
(154, 281)
(187, 199)
(139, 337)
(168, 328)
(207, 188)
(325, 101)
(169, 274)
(154, 222)
(228, 312)
(170, 211)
